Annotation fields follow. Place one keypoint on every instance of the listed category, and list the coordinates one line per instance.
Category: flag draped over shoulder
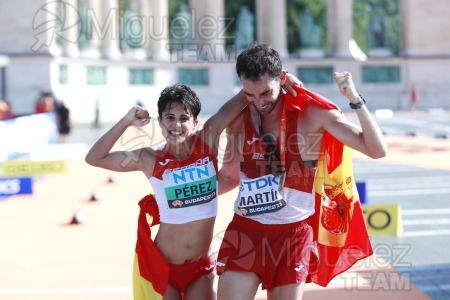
(150, 271)
(338, 222)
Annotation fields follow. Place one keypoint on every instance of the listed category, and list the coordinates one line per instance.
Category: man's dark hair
(179, 93)
(45, 94)
(257, 60)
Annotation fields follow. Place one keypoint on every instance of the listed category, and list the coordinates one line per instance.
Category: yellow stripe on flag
(142, 288)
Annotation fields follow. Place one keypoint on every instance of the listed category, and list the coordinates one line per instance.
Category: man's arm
(368, 139)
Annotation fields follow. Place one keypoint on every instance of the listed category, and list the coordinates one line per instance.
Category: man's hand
(346, 87)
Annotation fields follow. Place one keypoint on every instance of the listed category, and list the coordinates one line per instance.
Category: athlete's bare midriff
(181, 243)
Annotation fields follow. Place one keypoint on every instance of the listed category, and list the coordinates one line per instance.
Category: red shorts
(279, 254)
(182, 276)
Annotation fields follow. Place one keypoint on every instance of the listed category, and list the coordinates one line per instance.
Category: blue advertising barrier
(14, 186)
(361, 187)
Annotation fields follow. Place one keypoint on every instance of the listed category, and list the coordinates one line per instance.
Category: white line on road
(65, 291)
(411, 192)
(425, 211)
(424, 184)
(404, 180)
(426, 222)
(373, 169)
(426, 233)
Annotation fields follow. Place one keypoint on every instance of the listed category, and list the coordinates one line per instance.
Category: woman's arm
(231, 109)
(100, 154)
(220, 120)
(230, 170)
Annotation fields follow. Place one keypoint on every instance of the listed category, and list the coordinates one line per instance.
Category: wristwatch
(359, 104)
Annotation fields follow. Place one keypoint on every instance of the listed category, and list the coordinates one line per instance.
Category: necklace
(276, 157)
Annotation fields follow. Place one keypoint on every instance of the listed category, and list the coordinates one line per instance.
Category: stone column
(428, 37)
(405, 18)
(71, 33)
(133, 28)
(156, 35)
(91, 18)
(208, 19)
(271, 24)
(110, 29)
(4, 60)
(48, 37)
(340, 27)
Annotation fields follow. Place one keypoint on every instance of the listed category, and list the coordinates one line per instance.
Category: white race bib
(190, 186)
(260, 195)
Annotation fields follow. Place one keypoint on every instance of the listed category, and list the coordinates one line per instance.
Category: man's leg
(287, 292)
(237, 286)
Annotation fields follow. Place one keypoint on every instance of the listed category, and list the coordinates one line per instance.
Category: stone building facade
(73, 48)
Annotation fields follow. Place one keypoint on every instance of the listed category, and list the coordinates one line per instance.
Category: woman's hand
(138, 116)
(288, 81)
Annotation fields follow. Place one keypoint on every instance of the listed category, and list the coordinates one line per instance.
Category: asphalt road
(420, 183)
(415, 175)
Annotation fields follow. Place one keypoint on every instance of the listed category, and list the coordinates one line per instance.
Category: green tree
(232, 8)
(318, 8)
(294, 9)
(174, 6)
(361, 14)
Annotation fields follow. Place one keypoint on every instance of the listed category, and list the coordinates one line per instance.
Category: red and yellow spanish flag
(338, 222)
(150, 271)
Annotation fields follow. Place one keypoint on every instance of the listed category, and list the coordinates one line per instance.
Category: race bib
(260, 196)
(190, 186)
